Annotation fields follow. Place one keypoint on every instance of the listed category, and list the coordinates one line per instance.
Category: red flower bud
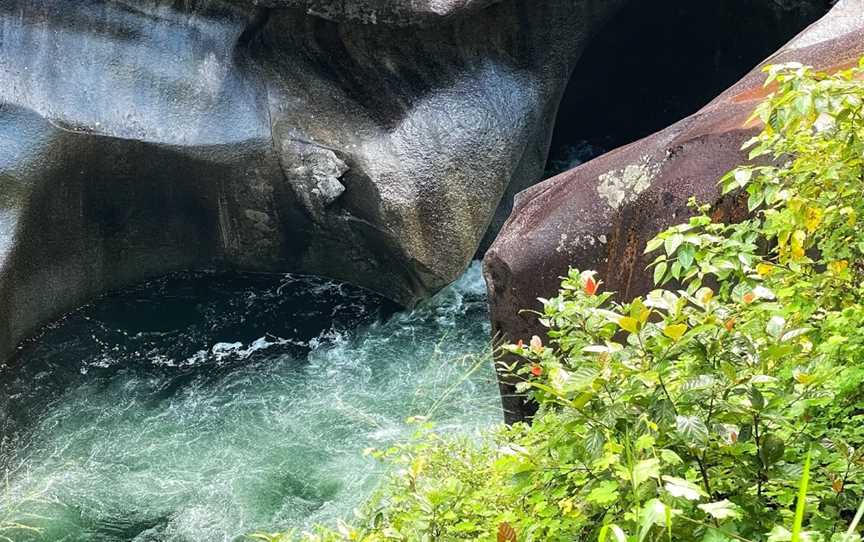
(591, 286)
(536, 370)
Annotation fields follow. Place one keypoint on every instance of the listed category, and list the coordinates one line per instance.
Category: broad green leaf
(771, 450)
(743, 176)
(653, 513)
(795, 333)
(644, 470)
(679, 487)
(629, 324)
(675, 331)
(644, 442)
(671, 244)
(757, 400)
(653, 245)
(721, 509)
(775, 326)
(692, 428)
(670, 457)
(716, 535)
(779, 534)
(686, 255)
(605, 493)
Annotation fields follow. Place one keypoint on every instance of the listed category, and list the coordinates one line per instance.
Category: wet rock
(139, 137)
(403, 12)
(600, 215)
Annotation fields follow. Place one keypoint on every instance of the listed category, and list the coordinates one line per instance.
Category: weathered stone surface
(600, 215)
(143, 136)
(402, 12)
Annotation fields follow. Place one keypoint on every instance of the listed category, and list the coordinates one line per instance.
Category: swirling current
(203, 406)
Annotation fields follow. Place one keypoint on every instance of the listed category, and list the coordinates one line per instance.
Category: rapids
(201, 407)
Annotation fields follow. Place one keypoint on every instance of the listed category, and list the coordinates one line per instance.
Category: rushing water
(201, 407)
(566, 157)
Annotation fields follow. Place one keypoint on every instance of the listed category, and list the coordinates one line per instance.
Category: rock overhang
(141, 137)
(395, 12)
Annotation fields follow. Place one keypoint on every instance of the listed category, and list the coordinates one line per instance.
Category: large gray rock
(138, 137)
(402, 12)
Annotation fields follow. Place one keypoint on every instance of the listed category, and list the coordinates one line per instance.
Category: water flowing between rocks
(203, 406)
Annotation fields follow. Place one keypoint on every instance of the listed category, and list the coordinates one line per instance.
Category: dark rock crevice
(654, 63)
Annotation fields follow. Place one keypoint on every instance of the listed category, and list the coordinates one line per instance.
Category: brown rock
(600, 215)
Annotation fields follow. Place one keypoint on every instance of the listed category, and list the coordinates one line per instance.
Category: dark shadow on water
(187, 328)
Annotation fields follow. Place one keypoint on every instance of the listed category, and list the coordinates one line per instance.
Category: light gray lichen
(566, 244)
(619, 187)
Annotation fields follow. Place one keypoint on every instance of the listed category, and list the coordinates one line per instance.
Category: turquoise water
(202, 407)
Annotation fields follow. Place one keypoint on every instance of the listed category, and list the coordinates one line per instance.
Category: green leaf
(721, 509)
(671, 244)
(692, 428)
(742, 177)
(605, 493)
(679, 487)
(616, 531)
(779, 534)
(775, 326)
(686, 256)
(771, 450)
(644, 442)
(653, 245)
(716, 535)
(660, 272)
(629, 324)
(670, 457)
(653, 513)
(795, 333)
(675, 331)
(644, 470)
(757, 400)
(755, 200)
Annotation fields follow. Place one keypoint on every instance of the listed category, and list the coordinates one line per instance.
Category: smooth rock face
(139, 137)
(401, 12)
(600, 215)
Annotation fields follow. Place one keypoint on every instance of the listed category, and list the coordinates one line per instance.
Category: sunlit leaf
(675, 331)
(692, 428)
(679, 487)
(721, 509)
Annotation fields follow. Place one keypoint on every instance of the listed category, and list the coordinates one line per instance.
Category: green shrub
(727, 408)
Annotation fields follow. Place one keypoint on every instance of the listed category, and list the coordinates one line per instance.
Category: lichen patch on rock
(619, 187)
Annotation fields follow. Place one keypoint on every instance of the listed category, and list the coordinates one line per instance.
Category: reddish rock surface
(600, 215)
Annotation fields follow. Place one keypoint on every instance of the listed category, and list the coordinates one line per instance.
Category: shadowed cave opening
(655, 63)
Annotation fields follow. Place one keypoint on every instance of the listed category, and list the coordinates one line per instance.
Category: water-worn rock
(401, 12)
(600, 215)
(143, 136)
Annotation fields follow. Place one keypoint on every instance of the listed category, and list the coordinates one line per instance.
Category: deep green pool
(203, 406)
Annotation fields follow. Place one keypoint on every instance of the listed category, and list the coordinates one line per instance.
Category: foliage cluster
(726, 405)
